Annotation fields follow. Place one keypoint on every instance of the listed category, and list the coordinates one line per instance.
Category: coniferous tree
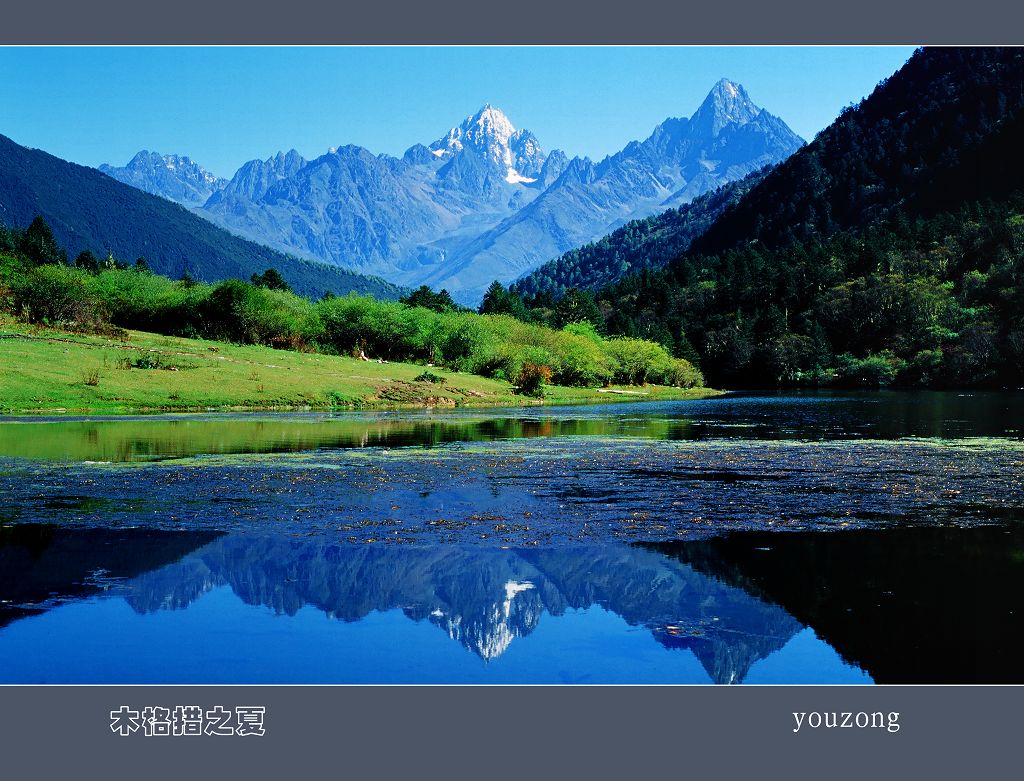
(425, 297)
(39, 245)
(500, 301)
(578, 306)
(8, 239)
(270, 279)
(87, 261)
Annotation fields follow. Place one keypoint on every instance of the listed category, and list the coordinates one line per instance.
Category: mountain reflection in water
(482, 598)
(931, 604)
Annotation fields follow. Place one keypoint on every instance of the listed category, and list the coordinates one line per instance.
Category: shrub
(459, 340)
(54, 294)
(684, 374)
(875, 371)
(143, 301)
(382, 329)
(531, 378)
(238, 311)
(924, 369)
(499, 346)
(636, 362)
(585, 329)
(430, 377)
(580, 359)
(149, 361)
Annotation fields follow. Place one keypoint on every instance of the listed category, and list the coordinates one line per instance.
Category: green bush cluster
(500, 346)
(56, 294)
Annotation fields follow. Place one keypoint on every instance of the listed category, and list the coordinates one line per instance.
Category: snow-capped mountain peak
(489, 134)
(727, 102)
(483, 202)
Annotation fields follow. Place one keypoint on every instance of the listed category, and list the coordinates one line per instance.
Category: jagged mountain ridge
(484, 201)
(174, 177)
(491, 135)
(257, 177)
(727, 138)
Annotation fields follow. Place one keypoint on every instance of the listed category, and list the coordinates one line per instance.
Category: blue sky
(223, 106)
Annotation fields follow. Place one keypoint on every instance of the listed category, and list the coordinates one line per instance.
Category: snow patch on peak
(514, 177)
(494, 123)
(728, 102)
(489, 632)
(729, 88)
(511, 589)
(488, 129)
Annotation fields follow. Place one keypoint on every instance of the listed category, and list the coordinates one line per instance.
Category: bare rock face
(174, 177)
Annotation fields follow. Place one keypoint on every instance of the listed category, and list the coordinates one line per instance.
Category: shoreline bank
(49, 372)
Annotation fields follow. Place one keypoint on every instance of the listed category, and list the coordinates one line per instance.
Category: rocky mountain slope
(482, 202)
(174, 177)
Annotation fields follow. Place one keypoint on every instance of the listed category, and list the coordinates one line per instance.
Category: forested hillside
(890, 250)
(637, 246)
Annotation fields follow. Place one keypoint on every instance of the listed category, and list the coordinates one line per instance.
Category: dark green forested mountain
(890, 250)
(923, 142)
(637, 246)
(88, 210)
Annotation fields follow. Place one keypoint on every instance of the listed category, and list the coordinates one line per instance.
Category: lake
(812, 538)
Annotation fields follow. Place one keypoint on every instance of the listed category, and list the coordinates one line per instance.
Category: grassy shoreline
(46, 372)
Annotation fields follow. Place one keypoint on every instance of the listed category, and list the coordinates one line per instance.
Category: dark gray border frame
(538, 22)
(368, 732)
(516, 732)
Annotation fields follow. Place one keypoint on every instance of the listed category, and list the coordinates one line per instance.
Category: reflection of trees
(136, 440)
(930, 605)
(42, 564)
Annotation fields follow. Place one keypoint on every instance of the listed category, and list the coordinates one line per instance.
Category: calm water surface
(749, 539)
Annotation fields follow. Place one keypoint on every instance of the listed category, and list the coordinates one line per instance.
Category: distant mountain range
(90, 211)
(482, 202)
